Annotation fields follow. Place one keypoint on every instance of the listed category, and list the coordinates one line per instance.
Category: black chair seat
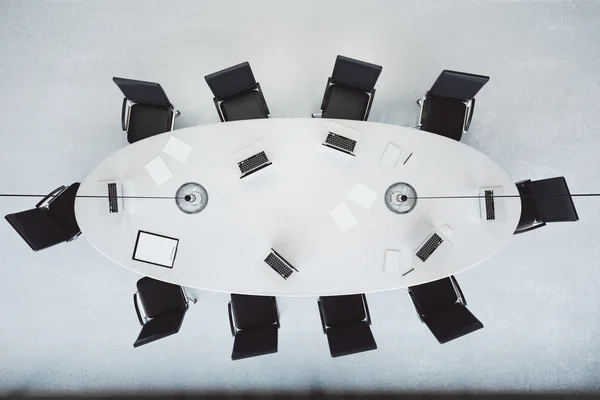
(343, 102)
(159, 298)
(433, 296)
(350, 339)
(451, 323)
(342, 310)
(160, 327)
(255, 342)
(252, 312)
(146, 121)
(444, 116)
(247, 105)
(37, 228)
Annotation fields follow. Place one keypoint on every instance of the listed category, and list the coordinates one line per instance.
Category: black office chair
(164, 306)
(447, 108)
(254, 321)
(441, 305)
(350, 90)
(146, 109)
(345, 320)
(543, 201)
(52, 221)
(237, 94)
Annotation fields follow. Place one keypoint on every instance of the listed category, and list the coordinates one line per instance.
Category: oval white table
(286, 206)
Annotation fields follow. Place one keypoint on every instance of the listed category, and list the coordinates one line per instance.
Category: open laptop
(113, 190)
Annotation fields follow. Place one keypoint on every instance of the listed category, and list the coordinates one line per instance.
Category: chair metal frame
(144, 319)
(49, 198)
(470, 108)
(126, 112)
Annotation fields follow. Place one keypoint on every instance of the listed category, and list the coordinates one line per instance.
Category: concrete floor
(67, 319)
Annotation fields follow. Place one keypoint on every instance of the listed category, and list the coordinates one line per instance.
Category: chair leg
(317, 115)
(419, 101)
(177, 113)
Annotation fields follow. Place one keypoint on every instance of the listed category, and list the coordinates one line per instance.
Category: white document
(155, 249)
(343, 217)
(362, 195)
(158, 170)
(391, 155)
(392, 261)
(178, 149)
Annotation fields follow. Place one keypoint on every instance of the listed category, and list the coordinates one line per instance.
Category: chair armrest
(364, 299)
(416, 307)
(471, 111)
(322, 318)
(262, 98)
(276, 309)
(372, 96)
(218, 109)
(529, 228)
(123, 112)
(230, 319)
(458, 290)
(51, 194)
(323, 102)
(137, 309)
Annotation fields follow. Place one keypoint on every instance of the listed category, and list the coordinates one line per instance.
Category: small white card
(391, 155)
(362, 195)
(178, 149)
(343, 217)
(158, 170)
(392, 261)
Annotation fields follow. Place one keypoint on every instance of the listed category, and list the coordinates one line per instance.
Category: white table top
(286, 206)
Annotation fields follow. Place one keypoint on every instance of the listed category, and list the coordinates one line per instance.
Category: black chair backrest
(355, 73)
(37, 228)
(433, 296)
(350, 339)
(553, 200)
(255, 342)
(458, 85)
(231, 81)
(160, 327)
(142, 92)
(62, 211)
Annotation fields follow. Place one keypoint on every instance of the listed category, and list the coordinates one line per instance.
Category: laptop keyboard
(113, 205)
(429, 247)
(340, 142)
(490, 212)
(253, 163)
(279, 265)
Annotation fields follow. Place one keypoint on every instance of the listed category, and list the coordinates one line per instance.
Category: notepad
(391, 155)
(362, 195)
(343, 217)
(158, 170)
(178, 149)
(392, 261)
(155, 249)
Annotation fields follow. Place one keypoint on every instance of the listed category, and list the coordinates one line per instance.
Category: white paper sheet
(392, 261)
(391, 155)
(156, 249)
(158, 170)
(343, 217)
(362, 195)
(178, 149)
